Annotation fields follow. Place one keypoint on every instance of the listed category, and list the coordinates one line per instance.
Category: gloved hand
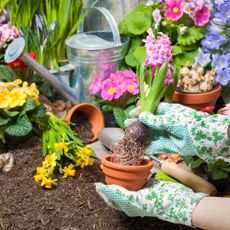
(179, 129)
(169, 201)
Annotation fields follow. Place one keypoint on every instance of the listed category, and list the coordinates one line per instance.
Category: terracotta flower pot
(197, 101)
(130, 177)
(93, 114)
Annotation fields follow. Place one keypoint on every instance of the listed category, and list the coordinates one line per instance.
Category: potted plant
(116, 96)
(126, 165)
(213, 56)
(87, 120)
(21, 112)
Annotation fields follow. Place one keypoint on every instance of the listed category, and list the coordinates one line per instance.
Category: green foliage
(218, 170)
(21, 122)
(137, 22)
(6, 74)
(185, 58)
(191, 36)
(121, 115)
(164, 177)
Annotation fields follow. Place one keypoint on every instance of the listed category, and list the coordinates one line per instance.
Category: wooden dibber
(196, 183)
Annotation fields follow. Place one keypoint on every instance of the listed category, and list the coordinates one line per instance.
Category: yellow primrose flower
(60, 146)
(48, 182)
(18, 98)
(50, 160)
(69, 171)
(5, 99)
(13, 84)
(31, 91)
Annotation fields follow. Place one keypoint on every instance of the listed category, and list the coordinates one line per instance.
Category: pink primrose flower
(132, 87)
(95, 88)
(110, 90)
(8, 32)
(174, 10)
(201, 15)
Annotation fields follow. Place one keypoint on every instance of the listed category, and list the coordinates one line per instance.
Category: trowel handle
(196, 183)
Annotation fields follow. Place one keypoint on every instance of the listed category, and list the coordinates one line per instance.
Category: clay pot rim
(146, 164)
(212, 91)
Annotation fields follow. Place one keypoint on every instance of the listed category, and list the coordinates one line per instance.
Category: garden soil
(72, 205)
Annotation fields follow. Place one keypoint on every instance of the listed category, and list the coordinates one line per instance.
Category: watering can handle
(112, 24)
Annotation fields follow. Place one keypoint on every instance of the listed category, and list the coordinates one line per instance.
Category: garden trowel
(109, 136)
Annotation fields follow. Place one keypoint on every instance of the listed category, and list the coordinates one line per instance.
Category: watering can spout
(16, 50)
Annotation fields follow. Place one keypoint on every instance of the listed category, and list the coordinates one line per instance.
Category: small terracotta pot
(130, 177)
(197, 101)
(93, 114)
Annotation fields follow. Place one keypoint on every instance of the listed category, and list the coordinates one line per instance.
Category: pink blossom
(8, 32)
(95, 88)
(156, 16)
(174, 10)
(132, 87)
(201, 16)
(110, 90)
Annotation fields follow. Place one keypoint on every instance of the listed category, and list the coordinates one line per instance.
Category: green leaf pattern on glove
(180, 129)
(168, 201)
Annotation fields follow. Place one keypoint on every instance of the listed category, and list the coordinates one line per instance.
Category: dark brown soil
(82, 127)
(73, 205)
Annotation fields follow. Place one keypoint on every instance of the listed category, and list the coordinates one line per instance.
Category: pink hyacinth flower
(201, 16)
(174, 10)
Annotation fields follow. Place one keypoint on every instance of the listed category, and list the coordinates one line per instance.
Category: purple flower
(223, 76)
(53, 25)
(202, 59)
(225, 11)
(213, 28)
(38, 21)
(156, 16)
(220, 62)
(213, 41)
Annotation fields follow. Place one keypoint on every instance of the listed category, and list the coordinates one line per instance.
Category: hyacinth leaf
(140, 54)
(191, 36)
(137, 21)
(130, 59)
(186, 58)
(120, 116)
(6, 74)
(21, 128)
(176, 50)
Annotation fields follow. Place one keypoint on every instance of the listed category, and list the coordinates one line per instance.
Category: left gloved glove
(169, 201)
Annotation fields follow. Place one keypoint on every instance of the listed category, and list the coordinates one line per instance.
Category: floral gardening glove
(169, 201)
(179, 129)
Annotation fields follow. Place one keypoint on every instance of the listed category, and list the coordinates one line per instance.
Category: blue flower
(223, 76)
(225, 11)
(38, 21)
(53, 25)
(202, 59)
(213, 41)
(220, 61)
(214, 28)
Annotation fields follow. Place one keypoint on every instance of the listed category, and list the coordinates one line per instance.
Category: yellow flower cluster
(45, 174)
(14, 94)
(79, 155)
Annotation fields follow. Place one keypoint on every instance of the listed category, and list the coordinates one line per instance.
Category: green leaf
(137, 21)
(140, 54)
(218, 174)
(196, 163)
(128, 109)
(176, 50)
(28, 106)
(120, 116)
(164, 177)
(21, 128)
(191, 36)
(4, 121)
(6, 74)
(187, 159)
(186, 58)
(10, 113)
(130, 59)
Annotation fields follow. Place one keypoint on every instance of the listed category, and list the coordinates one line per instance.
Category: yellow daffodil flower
(48, 182)
(69, 171)
(50, 160)
(60, 146)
